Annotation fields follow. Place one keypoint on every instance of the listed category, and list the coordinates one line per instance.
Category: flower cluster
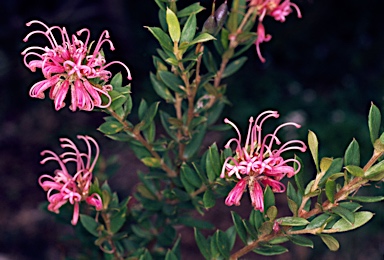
(64, 187)
(256, 163)
(70, 66)
(275, 8)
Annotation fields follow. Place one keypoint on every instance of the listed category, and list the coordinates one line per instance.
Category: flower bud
(221, 15)
(210, 25)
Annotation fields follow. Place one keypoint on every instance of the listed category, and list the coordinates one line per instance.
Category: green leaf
(118, 219)
(162, 37)
(269, 198)
(330, 190)
(330, 241)
(233, 17)
(191, 9)
(151, 162)
(164, 118)
(222, 243)
(355, 170)
(89, 224)
(173, 25)
(366, 199)
(292, 221)
(213, 165)
(160, 4)
(352, 154)
(313, 144)
(361, 218)
(149, 115)
(347, 215)
(351, 206)
(203, 244)
(197, 223)
(374, 121)
(272, 213)
(203, 37)
(161, 90)
(293, 207)
(256, 218)
(270, 250)
(252, 230)
(375, 172)
(234, 66)
(318, 221)
(299, 179)
(301, 241)
(325, 163)
(110, 127)
(209, 199)
(335, 167)
(170, 255)
(163, 19)
(117, 80)
(189, 29)
(187, 185)
(197, 138)
(171, 80)
(239, 225)
(209, 61)
(190, 175)
(231, 235)
(143, 107)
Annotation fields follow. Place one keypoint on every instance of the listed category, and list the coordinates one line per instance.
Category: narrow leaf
(89, 224)
(374, 121)
(345, 214)
(367, 199)
(209, 199)
(301, 241)
(203, 244)
(162, 37)
(271, 250)
(234, 66)
(352, 154)
(292, 221)
(330, 190)
(313, 144)
(330, 241)
(355, 170)
(110, 127)
(173, 25)
(361, 218)
(189, 29)
(318, 221)
(239, 225)
(191, 9)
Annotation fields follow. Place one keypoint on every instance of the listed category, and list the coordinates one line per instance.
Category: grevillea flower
(71, 66)
(275, 8)
(64, 187)
(257, 163)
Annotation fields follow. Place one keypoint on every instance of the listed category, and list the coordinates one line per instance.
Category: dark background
(323, 70)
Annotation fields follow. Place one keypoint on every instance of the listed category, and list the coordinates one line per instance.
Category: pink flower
(71, 66)
(261, 37)
(280, 10)
(64, 187)
(273, 8)
(258, 163)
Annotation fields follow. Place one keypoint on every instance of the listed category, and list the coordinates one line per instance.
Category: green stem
(141, 139)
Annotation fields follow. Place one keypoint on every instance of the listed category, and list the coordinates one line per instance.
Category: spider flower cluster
(275, 8)
(257, 163)
(71, 66)
(64, 187)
